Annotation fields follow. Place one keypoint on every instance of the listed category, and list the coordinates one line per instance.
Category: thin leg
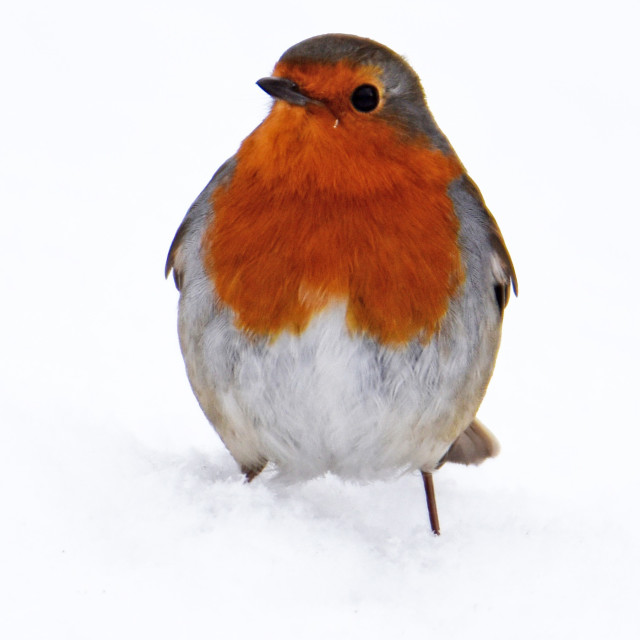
(251, 472)
(431, 502)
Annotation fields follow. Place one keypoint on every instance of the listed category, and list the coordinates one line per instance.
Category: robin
(342, 283)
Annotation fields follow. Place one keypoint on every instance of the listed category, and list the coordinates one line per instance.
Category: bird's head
(355, 83)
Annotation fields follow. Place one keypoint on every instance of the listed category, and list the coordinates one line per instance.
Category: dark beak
(287, 90)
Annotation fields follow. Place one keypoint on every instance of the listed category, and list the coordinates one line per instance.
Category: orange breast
(315, 214)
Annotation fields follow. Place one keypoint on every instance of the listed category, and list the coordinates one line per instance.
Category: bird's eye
(365, 98)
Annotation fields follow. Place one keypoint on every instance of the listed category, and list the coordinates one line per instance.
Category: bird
(342, 281)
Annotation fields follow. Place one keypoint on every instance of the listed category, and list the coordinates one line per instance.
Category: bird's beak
(287, 90)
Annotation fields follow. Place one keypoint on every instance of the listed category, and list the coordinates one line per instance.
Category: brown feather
(473, 446)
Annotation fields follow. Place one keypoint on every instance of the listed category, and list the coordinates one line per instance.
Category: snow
(123, 515)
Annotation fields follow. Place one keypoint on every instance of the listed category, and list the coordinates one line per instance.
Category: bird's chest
(282, 248)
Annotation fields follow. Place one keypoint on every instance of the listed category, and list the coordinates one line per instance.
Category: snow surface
(124, 517)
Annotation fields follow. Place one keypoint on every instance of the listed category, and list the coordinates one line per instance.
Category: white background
(122, 514)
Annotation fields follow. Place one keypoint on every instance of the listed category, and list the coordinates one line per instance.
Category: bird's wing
(501, 265)
(199, 210)
(172, 256)
(476, 443)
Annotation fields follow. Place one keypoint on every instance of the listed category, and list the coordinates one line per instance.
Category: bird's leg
(427, 478)
(250, 472)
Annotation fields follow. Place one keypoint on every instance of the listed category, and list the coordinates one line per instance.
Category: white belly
(331, 401)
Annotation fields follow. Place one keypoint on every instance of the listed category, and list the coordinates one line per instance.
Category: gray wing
(198, 211)
(501, 265)
(489, 266)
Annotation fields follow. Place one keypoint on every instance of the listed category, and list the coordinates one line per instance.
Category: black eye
(365, 98)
